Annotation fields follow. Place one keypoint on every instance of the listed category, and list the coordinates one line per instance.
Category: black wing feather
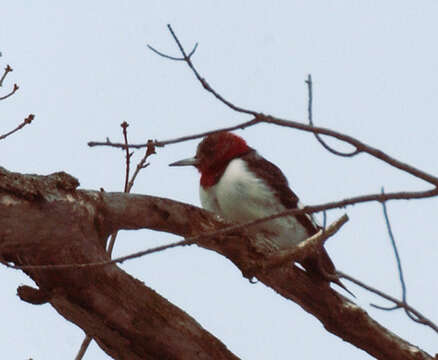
(277, 181)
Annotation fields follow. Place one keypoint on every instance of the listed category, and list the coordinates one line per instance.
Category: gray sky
(83, 68)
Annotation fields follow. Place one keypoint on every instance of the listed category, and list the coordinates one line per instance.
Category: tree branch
(398, 304)
(362, 147)
(205, 85)
(12, 92)
(7, 70)
(62, 225)
(80, 222)
(26, 121)
(310, 118)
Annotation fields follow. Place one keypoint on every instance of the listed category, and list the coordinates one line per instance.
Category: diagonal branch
(304, 249)
(361, 146)
(6, 71)
(420, 318)
(81, 220)
(26, 121)
(12, 92)
(204, 83)
(118, 224)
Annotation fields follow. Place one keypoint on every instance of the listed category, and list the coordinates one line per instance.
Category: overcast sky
(83, 68)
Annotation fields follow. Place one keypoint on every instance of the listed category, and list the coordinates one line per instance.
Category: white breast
(240, 196)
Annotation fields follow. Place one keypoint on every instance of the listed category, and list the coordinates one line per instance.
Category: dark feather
(316, 266)
(277, 181)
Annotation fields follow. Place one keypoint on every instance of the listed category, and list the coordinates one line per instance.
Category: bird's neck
(210, 176)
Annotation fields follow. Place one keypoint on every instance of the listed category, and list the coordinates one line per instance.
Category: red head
(213, 155)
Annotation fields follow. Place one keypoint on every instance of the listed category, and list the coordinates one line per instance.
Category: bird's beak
(185, 162)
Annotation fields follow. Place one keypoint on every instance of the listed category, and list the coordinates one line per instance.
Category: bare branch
(26, 121)
(142, 164)
(92, 215)
(173, 57)
(400, 304)
(310, 117)
(304, 249)
(7, 70)
(203, 82)
(362, 147)
(13, 91)
(128, 155)
(84, 346)
(111, 243)
(109, 143)
(280, 258)
(233, 228)
(394, 246)
(399, 268)
(163, 143)
(259, 117)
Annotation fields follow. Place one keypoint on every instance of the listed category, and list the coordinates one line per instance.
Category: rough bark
(46, 220)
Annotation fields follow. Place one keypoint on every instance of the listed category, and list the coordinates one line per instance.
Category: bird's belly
(242, 202)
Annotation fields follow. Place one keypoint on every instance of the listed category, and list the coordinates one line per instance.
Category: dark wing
(276, 179)
(319, 266)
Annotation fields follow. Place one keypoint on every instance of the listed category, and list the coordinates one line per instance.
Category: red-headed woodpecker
(240, 185)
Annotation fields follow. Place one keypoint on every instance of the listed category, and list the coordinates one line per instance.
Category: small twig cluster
(129, 183)
(28, 119)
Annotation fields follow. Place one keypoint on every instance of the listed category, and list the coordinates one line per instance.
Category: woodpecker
(240, 186)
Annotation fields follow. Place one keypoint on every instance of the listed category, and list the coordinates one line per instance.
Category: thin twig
(310, 118)
(203, 82)
(324, 220)
(128, 155)
(399, 268)
(173, 57)
(26, 121)
(142, 164)
(111, 243)
(394, 247)
(232, 228)
(187, 241)
(13, 91)
(311, 244)
(84, 347)
(118, 260)
(163, 143)
(8, 69)
(362, 147)
(421, 318)
(258, 118)
(110, 248)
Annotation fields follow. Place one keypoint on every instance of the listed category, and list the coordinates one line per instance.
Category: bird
(240, 185)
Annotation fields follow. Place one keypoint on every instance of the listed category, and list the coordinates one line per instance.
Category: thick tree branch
(64, 225)
(45, 220)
